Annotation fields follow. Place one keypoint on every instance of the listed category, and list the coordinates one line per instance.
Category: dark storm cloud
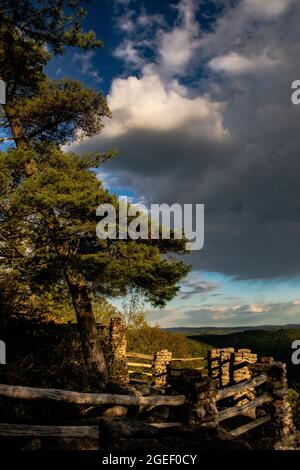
(247, 178)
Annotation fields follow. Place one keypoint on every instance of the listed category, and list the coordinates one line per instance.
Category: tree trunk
(16, 130)
(91, 348)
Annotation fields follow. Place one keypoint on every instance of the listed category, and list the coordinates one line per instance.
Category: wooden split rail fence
(156, 368)
(259, 397)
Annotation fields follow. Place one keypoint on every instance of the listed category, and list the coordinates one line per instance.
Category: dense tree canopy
(64, 184)
(57, 23)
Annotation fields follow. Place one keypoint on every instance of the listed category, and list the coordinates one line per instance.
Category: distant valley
(220, 330)
(269, 340)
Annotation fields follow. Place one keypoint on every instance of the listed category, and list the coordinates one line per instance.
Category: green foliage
(48, 354)
(294, 400)
(29, 31)
(22, 62)
(60, 185)
(58, 110)
(57, 23)
(150, 339)
(63, 312)
(48, 199)
(277, 344)
(38, 108)
(19, 302)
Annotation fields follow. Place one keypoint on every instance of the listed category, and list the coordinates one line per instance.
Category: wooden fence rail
(255, 382)
(187, 359)
(148, 374)
(253, 424)
(30, 393)
(26, 430)
(139, 356)
(151, 357)
(178, 369)
(139, 364)
(159, 371)
(242, 409)
(87, 431)
(202, 394)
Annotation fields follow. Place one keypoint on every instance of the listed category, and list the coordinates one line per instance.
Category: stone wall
(230, 367)
(241, 372)
(161, 362)
(282, 416)
(118, 370)
(227, 365)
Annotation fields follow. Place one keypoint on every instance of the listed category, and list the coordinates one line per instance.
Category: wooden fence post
(161, 362)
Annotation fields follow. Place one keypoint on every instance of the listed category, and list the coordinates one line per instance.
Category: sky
(200, 93)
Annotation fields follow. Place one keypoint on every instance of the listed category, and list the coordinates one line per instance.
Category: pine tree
(49, 198)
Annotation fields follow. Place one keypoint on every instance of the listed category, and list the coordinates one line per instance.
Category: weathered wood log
(260, 367)
(30, 393)
(139, 381)
(149, 374)
(241, 364)
(166, 425)
(253, 424)
(239, 410)
(208, 424)
(23, 430)
(140, 356)
(187, 359)
(137, 364)
(255, 382)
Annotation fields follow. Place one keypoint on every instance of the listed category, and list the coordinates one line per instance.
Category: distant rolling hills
(267, 340)
(220, 330)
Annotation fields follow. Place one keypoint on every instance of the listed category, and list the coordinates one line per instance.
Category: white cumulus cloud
(147, 103)
(234, 63)
(265, 8)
